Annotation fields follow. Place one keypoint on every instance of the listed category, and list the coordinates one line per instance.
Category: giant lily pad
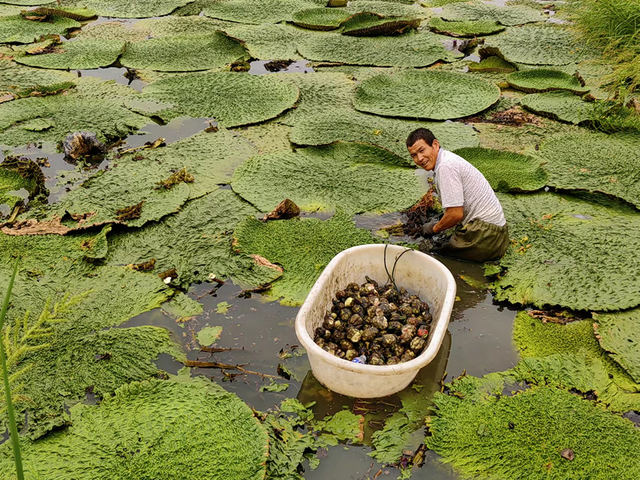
(184, 54)
(508, 16)
(535, 45)
(269, 41)
(174, 26)
(506, 171)
(116, 30)
(524, 435)
(345, 175)
(564, 254)
(232, 98)
(417, 50)
(17, 77)
(140, 431)
(466, 28)
(320, 18)
(78, 55)
(17, 29)
(559, 105)
(618, 334)
(139, 9)
(20, 177)
(545, 80)
(595, 162)
(389, 9)
(366, 24)
(258, 11)
(436, 95)
(196, 242)
(303, 246)
(388, 133)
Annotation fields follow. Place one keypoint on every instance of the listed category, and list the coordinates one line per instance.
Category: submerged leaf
(208, 335)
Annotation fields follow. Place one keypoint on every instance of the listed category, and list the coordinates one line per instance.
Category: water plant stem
(13, 429)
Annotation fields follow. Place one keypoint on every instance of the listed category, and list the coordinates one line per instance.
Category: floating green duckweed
(17, 29)
(595, 162)
(320, 18)
(435, 95)
(507, 16)
(545, 80)
(78, 55)
(302, 246)
(196, 242)
(560, 258)
(535, 45)
(493, 65)
(345, 175)
(465, 28)
(618, 334)
(258, 11)
(184, 54)
(139, 9)
(387, 133)
(524, 435)
(506, 171)
(367, 24)
(411, 50)
(140, 431)
(231, 98)
(560, 105)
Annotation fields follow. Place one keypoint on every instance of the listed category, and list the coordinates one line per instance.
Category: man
(469, 203)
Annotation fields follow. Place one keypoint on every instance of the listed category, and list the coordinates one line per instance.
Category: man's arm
(452, 217)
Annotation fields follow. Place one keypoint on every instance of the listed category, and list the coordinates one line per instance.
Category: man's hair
(421, 134)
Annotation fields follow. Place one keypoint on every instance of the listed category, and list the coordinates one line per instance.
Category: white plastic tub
(420, 274)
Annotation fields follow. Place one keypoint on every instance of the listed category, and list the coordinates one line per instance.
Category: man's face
(423, 155)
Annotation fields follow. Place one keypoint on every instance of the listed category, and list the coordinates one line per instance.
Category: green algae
(525, 434)
(208, 335)
(545, 80)
(348, 176)
(257, 11)
(320, 18)
(302, 246)
(222, 308)
(477, 11)
(196, 242)
(182, 308)
(595, 162)
(560, 105)
(140, 432)
(233, 99)
(436, 95)
(17, 29)
(506, 171)
(329, 127)
(184, 54)
(618, 335)
(78, 55)
(465, 28)
(410, 50)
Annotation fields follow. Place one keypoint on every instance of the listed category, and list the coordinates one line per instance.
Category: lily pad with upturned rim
(320, 18)
(559, 105)
(78, 55)
(508, 16)
(465, 28)
(366, 24)
(17, 29)
(545, 80)
(258, 11)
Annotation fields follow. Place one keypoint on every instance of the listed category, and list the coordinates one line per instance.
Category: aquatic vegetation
(18, 173)
(17, 29)
(410, 50)
(388, 8)
(545, 80)
(14, 76)
(506, 171)
(258, 11)
(208, 335)
(342, 427)
(302, 246)
(141, 9)
(618, 335)
(269, 41)
(78, 55)
(569, 234)
(142, 427)
(231, 98)
(367, 24)
(508, 16)
(611, 116)
(348, 176)
(184, 54)
(559, 105)
(267, 137)
(320, 18)
(196, 241)
(388, 133)
(527, 434)
(493, 64)
(435, 95)
(595, 162)
(469, 28)
(535, 45)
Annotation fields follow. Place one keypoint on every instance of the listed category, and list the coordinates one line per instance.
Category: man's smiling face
(423, 155)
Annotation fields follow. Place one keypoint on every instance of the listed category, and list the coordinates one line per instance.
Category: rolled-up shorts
(477, 241)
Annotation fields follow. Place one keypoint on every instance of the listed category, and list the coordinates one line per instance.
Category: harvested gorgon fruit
(374, 324)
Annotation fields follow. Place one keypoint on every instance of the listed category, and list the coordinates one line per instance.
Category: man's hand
(427, 228)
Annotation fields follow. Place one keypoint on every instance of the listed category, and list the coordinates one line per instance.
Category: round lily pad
(508, 16)
(418, 50)
(545, 80)
(184, 54)
(465, 28)
(17, 29)
(559, 105)
(231, 98)
(137, 9)
(493, 65)
(388, 9)
(258, 11)
(348, 176)
(428, 94)
(78, 55)
(506, 171)
(366, 24)
(320, 18)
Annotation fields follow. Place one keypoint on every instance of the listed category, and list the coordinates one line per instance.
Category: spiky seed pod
(320, 331)
(329, 322)
(358, 310)
(350, 354)
(338, 335)
(345, 345)
(407, 333)
(369, 334)
(354, 335)
(345, 314)
(380, 322)
(408, 356)
(415, 321)
(393, 360)
(394, 327)
(376, 359)
(356, 320)
(418, 344)
(398, 350)
(389, 339)
(338, 325)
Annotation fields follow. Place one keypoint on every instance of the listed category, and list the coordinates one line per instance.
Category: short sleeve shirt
(460, 184)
